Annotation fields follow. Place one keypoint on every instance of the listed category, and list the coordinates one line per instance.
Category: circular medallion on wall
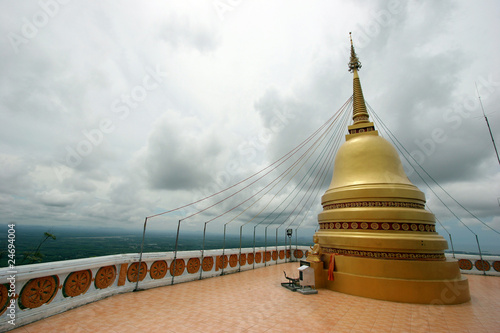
(405, 227)
(396, 226)
(207, 264)
(250, 258)
(105, 277)
(233, 260)
(298, 254)
(465, 264)
(258, 257)
(243, 259)
(282, 254)
(374, 226)
(364, 225)
(158, 269)
(38, 291)
(482, 265)
(77, 283)
(193, 265)
(177, 267)
(354, 225)
(496, 266)
(4, 297)
(221, 261)
(132, 272)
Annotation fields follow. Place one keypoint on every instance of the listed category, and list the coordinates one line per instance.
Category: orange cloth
(331, 267)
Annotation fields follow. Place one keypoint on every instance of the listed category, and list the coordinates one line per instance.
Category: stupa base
(408, 281)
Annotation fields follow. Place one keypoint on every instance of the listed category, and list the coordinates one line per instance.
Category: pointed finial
(354, 63)
(360, 114)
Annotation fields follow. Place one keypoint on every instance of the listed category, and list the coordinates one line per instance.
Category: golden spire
(360, 115)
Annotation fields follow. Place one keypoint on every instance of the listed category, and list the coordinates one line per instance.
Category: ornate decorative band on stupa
(396, 226)
(375, 204)
(386, 255)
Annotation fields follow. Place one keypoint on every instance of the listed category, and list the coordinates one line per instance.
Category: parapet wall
(43, 290)
(472, 264)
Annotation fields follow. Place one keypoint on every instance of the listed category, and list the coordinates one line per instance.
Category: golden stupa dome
(380, 163)
(369, 193)
(375, 237)
(371, 205)
(370, 163)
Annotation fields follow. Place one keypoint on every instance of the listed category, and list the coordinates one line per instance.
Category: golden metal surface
(374, 220)
(360, 115)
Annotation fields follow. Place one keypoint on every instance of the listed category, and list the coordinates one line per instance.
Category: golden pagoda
(375, 237)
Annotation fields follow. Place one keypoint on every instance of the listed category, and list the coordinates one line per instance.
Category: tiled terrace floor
(254, 301)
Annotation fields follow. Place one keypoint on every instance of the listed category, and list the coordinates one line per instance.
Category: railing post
(277, 257)
(239, 257)
(265, 247)
(452, 248)
(203, 250)
(175, 251)
(296, 240)
(480, 255)
(140, 255)
(223, 250)
(284, 246)
(253, 262)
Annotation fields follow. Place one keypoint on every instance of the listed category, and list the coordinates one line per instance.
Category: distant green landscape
(77, 243)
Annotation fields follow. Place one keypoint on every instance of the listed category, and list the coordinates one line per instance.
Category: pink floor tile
(254, 301)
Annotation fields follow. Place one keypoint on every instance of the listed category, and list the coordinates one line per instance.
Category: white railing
(42, 290)
(472, 264)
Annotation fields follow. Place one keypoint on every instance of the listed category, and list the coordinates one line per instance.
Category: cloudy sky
(116, 110)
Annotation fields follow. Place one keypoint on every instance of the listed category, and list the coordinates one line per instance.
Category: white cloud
(57, 199)
(183, 153)
(239, 91)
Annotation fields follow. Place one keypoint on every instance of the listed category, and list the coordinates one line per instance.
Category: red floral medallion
(158, 269)
(207, 264)
(105, 277)
(193, 265)
(77, 283)
(38, 291)
(133, 269)
(177, 267)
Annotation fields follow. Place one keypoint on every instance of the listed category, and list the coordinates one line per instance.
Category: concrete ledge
(401, 290)
(43, 290)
